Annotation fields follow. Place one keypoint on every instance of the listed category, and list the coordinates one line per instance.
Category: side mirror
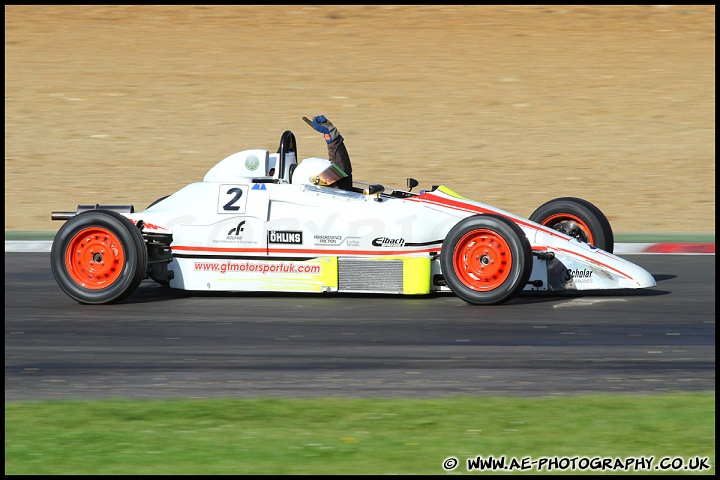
(373, 189)
(411, 183)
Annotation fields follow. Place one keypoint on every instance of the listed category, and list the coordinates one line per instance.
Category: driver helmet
(317, 171)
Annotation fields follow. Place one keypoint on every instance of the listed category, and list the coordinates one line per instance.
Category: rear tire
(98, 257)
(486, 259)
(579, 219)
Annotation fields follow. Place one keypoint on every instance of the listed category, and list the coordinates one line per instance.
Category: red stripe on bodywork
(592, 260)
(459, 205)
(463, 206)
(314, 252)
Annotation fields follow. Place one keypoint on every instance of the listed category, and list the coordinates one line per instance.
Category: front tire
(98, 257)
(577, 218)
(486, 259)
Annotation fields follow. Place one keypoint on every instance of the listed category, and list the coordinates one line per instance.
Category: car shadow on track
(150, 292)
(662, 278)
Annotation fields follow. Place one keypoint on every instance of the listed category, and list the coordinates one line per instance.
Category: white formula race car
(256, 224)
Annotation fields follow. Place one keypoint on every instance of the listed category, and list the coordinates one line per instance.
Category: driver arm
(338, 154)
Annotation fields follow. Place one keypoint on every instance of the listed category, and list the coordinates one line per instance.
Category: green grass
(347, 436)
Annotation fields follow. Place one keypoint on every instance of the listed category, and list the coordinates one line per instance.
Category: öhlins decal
(286, 237)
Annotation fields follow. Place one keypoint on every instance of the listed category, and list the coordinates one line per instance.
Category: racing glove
(323, 125)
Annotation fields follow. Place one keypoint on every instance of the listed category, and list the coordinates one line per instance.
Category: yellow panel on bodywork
(329, 274)
(450, 192)
(416, 275)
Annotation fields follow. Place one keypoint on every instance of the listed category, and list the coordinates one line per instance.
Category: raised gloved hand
(323, 125)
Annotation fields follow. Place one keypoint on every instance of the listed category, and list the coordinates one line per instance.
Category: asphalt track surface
(161, 343)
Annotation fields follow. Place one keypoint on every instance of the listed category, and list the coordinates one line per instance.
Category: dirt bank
(510, 105)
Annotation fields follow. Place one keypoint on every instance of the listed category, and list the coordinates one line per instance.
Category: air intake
(370, 276)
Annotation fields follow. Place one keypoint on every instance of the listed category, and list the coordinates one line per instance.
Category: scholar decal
(388, 242)
(277, 236)
(578, 275)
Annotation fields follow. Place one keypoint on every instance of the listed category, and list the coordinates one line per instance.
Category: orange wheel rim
(572, 224)
(482, 260)
(94, 258)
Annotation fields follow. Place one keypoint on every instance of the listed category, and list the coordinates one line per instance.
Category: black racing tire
(98, 257)
(486, 259)
(578, 218)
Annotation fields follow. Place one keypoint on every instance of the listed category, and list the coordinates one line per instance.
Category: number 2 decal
(231, 204)
(232, 198)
